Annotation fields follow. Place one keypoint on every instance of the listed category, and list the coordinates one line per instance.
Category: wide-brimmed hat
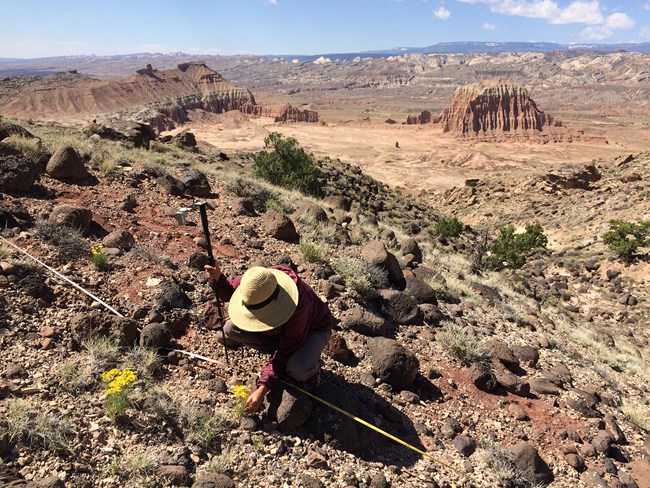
(264, 300)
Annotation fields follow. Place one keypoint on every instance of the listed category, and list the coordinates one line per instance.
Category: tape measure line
(380, 431)
(213, 361)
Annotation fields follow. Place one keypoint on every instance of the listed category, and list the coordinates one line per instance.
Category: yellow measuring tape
(382, 432)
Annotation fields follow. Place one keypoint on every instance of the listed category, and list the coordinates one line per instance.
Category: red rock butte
(499, 110)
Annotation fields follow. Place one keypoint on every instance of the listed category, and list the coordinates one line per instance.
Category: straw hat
(264, 300)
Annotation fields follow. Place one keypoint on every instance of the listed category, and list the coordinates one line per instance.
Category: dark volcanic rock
(196, 183)
(392, 363)
(364, 322)
(399, 307)
(171, 296)
(214, 480)
(17, 174)
(103, 324)
(66, 164)
(72, 216)
(339, 431)
(339, 351)
(155, 336)
(293, 410)
(483, 378)
(419, 289)
(464, 445)
(375, 253)
(527, 460)
(35, 286)
(279, 226)
(171, 185)
(120, 239)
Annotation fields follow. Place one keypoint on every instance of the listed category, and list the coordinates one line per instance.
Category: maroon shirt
(311, 314)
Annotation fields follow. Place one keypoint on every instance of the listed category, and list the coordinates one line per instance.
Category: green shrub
(310, 251)
(511, 248)
(626, 238)
(448, 227)
(288, 166)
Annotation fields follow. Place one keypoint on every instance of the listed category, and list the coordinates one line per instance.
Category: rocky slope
(520, 378)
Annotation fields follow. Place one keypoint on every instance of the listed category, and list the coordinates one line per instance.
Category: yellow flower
(118, 380)
(240, 391)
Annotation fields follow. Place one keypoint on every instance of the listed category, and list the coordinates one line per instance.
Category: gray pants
(302, 364)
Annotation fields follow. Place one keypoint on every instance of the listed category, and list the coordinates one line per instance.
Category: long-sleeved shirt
(310, 314)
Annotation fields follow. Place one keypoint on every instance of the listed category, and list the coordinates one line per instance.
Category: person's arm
(255, 400)
(222, 287)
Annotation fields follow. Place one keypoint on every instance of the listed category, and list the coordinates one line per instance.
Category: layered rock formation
(493, 106)
(159, 98)
(497, 109)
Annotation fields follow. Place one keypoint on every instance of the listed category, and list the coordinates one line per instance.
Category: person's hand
(255, 400)
(213, 272)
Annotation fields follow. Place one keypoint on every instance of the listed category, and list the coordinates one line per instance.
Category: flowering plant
(118, 386)
(98, 257)
(241, 394)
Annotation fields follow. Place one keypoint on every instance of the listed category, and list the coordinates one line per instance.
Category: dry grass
(635, 413)
(455, 339)
(38, 428)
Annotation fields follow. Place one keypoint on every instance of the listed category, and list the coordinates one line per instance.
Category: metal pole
(206, 232)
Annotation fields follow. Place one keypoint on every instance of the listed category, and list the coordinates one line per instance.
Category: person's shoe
(312, 382)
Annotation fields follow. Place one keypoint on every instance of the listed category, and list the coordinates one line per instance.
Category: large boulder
(66, 164)
(102, 324)
(279, 226)
(339, 431)
(339, 351)
(375, 253)
(392, 363)
(138, 134)
(312, 211)
(527, 459)
(364, 322)
(156, 336)
(419, 289)
(17, 174)
(120, 239)
(72, 216)
(171, 185)
(213, 480)
(196, 183)
(290, 409)
(400, 308)
(7, 130)
(171, 296)
(411, 246)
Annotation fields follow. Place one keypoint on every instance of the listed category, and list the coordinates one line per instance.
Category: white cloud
(488, 26)
(442, 13)
(272, 2)
(619, 21)
(647, 6)
(577, 12)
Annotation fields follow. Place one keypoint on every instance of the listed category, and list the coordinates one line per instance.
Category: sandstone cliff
(498, 109)
(160, 98)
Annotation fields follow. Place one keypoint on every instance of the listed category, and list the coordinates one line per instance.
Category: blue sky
(38, 28)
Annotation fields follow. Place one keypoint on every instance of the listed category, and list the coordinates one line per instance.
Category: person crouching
(274, 311)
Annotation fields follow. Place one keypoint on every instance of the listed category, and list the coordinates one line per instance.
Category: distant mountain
(479, 47)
